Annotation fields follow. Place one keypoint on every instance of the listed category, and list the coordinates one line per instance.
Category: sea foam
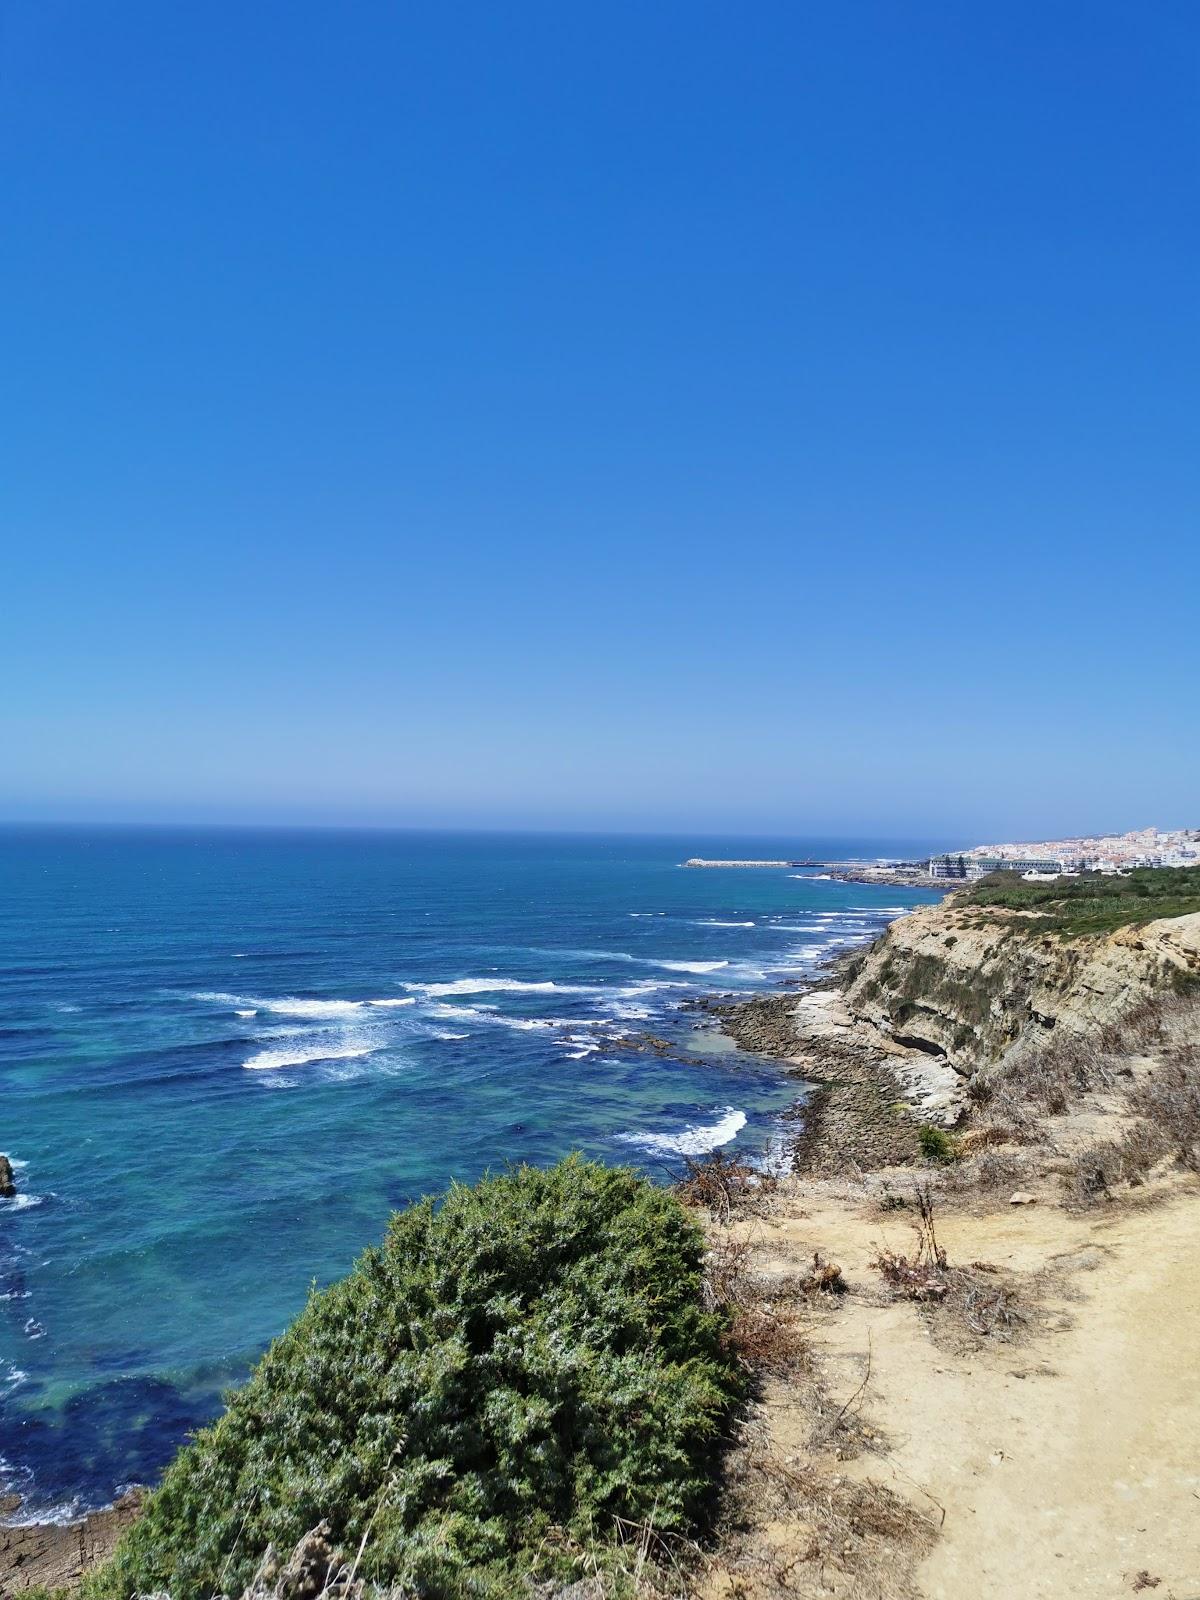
(691, 1141)
(285, 1005)
(272, 1060)
(699, 967)
(500, 986)
(520, 1024)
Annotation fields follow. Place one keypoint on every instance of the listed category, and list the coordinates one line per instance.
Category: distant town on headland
(1049, 858)
(1110, 852)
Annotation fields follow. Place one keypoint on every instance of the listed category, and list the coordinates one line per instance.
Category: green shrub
(1091, 903)
(936, 1144)
(515, 1368)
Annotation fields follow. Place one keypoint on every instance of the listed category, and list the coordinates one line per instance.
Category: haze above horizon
(675, 419)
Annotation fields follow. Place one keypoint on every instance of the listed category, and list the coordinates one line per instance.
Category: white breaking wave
(294, 1007)
(714, 922)
(580, 1046)
(272, 1060)
(521, 1024)
(406, 1001)
(60, 1516)
(21, 1202)
(693, 1141)
(500, 986)
(286, 1005)
(690, 966)
(776, 1159)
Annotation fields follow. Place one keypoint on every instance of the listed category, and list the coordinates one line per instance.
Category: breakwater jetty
(700, 861)
(897, 874)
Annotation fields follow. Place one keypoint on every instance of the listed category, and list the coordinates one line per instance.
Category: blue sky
(667, 416)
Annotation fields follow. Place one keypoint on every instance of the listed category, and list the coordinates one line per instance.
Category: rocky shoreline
(57, 1555)
(868, 1096)
(891, 878)
(856, 1115)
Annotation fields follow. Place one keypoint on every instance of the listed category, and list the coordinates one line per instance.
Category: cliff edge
(968, 982)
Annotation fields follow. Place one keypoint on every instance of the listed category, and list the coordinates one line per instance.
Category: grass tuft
(937, 1145)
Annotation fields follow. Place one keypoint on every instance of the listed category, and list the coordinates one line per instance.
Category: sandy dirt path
(1072, 1484)
(1064, 1464)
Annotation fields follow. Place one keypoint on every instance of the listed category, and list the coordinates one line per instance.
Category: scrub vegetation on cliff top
(518, 1367)
(1091, 903)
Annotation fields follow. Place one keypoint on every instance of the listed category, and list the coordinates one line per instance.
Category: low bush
(516, 1369)
(1090, 903)
(974, 1296)
(937, 1145)
(765, 1328)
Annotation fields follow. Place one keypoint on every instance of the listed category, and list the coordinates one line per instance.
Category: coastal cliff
(968, 983)
(566, 1355)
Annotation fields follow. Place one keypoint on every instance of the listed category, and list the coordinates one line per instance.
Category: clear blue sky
(775, 416)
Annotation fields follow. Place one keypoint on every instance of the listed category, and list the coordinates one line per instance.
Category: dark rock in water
(8, 1186)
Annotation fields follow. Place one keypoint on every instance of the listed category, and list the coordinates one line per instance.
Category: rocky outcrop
(49, 1554)
(8, 1186)
(966, 988)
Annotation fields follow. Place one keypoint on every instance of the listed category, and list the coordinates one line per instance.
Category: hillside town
(1117, 852)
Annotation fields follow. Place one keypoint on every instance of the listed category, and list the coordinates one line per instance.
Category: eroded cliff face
(967, 986)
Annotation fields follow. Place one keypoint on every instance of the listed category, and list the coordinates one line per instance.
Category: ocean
(227, 1055)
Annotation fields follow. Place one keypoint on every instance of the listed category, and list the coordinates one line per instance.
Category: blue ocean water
(226, 1056)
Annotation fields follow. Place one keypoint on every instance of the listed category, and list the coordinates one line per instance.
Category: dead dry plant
(725, 1187)
(921, 1275)
(766, 1327)
(974, 1297)
(798, 1527)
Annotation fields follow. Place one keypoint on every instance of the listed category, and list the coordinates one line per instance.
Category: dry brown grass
(1164, 1021)
(800, 1528)
(1046, 1077)
(1169, 1100)
(1164, 1132)
(995, 1169)
(766, 1314)
(725, 1187)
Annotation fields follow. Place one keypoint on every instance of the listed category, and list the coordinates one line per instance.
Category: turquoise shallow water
(226, 1056)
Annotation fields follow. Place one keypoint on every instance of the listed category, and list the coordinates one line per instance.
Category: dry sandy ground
(1062, 1463)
